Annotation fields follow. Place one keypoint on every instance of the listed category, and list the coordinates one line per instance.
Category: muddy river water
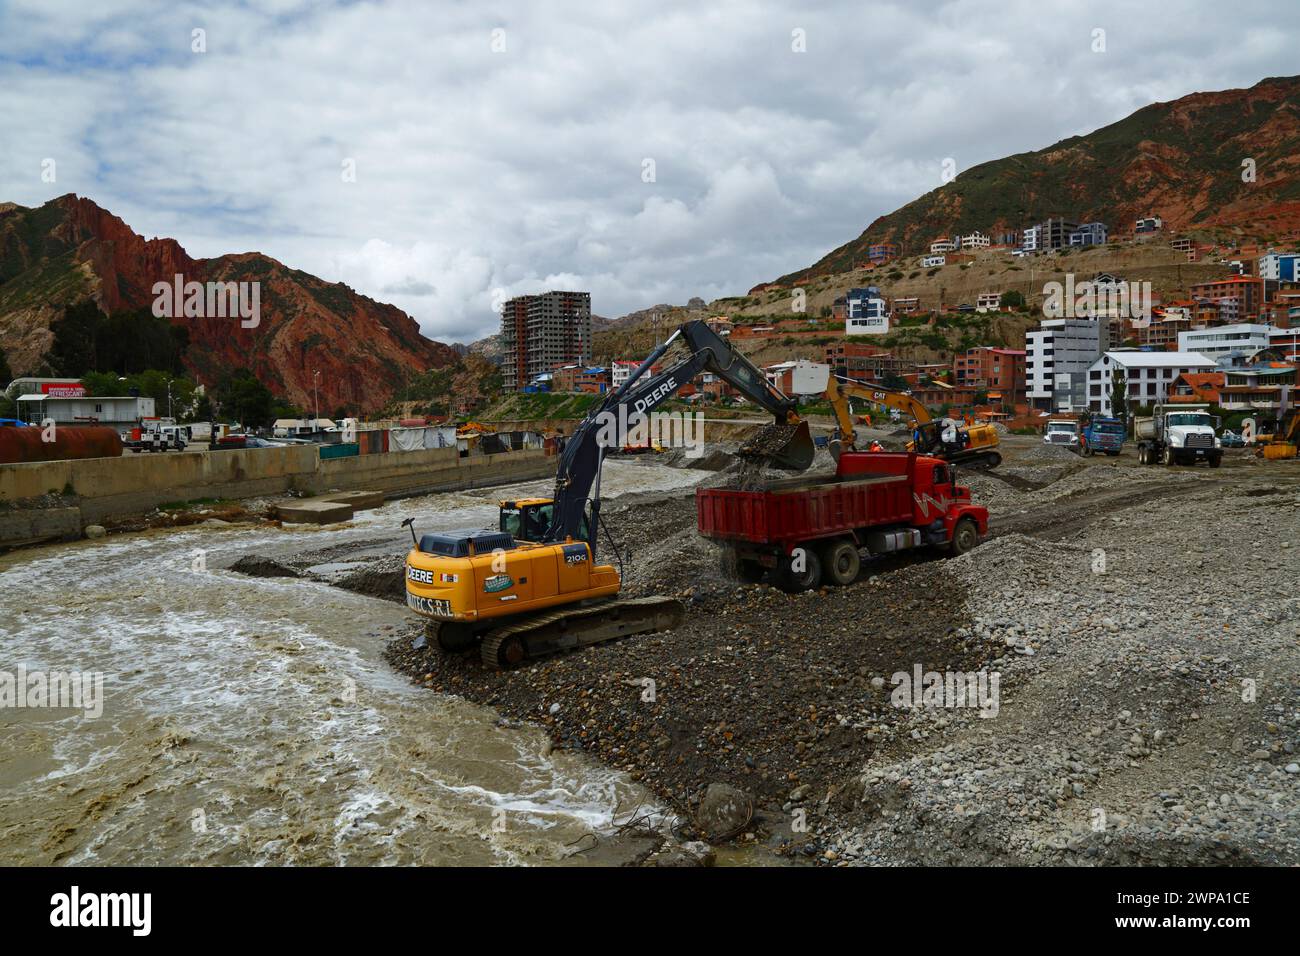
(253, 721)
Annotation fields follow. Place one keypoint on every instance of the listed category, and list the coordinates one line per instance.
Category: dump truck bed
(801, 508)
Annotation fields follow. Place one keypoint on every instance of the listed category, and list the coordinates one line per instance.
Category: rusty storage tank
(19, 444)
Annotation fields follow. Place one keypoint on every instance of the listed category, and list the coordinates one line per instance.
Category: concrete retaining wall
(135, 484)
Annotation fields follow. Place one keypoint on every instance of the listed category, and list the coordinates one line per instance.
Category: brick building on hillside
(860, 362)
(580, 378)
(993, 370)
(1238, 299)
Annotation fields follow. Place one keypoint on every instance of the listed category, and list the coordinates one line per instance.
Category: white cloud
(521, 170)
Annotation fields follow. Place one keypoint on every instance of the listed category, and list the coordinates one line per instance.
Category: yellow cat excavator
(532, 586)
(976, 446)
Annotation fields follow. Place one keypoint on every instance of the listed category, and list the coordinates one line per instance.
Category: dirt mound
(256, 566)
(382, 579)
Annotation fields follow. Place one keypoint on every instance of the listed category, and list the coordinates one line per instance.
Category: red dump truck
(810, 531)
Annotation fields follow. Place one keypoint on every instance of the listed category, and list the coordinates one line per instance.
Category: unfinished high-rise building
(539, 332)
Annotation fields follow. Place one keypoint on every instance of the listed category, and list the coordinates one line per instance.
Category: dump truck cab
(936, 496)
(1103, 435)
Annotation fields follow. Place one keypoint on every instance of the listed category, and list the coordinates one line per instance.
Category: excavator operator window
(529, 522)
(537, 518)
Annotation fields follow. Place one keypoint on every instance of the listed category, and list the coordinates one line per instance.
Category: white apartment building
(931, 261)
(1029, 240)
(1280, 267)
(943, 244)
(621, 371)
(1147, 376)
(976, 240)
(1057, 356)
(988, 302)
(1219, 340)
(866, 312)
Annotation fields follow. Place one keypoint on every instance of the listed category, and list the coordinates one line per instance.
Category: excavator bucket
(781, 445)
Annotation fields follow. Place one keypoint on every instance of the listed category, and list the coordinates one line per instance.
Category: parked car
(1231, 439)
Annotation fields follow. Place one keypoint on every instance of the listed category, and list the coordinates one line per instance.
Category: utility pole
(169, 399)
(315, 377)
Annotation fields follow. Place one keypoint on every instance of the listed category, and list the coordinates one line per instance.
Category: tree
(1118, 394)
(86, 340)
(894, 380)
(1012, 299)
(151, 383)
(244, 399)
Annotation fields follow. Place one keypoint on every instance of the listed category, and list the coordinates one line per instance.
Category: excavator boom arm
(838, 393)
(579, 467)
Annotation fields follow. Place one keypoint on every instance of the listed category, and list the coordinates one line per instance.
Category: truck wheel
(965, 536)
(840, 562)
(1169, 458)
(1215, 460)
(794, 581)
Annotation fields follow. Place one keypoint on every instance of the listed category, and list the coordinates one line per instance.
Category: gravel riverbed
(1143, 625)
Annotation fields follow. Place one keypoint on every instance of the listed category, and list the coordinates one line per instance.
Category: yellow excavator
(1282, 442)
(976, 445)
(532, 585)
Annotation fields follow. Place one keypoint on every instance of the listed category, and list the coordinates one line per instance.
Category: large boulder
(724, 812)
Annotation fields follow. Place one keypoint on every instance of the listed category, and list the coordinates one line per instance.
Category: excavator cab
(527, 519)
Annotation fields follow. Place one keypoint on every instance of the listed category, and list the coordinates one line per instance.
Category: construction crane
(532, 586)
(977, 445)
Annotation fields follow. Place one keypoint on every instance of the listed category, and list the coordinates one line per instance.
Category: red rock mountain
(70, 250)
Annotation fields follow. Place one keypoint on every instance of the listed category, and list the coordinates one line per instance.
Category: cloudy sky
(645, 152)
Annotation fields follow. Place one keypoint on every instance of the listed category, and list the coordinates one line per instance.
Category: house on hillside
(1089, 234)
(1196, 387)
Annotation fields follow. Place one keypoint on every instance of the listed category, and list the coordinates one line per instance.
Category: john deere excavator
(977, 446)
(532, 586)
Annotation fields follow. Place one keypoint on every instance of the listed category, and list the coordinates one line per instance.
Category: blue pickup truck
(1104, 435)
